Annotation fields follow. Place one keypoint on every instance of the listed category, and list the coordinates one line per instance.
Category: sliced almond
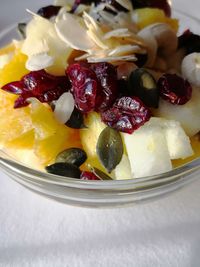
(39, 62)
(64, 107)
(73, 34)
(124, 50)
(112, 59)
(123, 32)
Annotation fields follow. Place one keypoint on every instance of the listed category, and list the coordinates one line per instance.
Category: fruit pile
(101, 90)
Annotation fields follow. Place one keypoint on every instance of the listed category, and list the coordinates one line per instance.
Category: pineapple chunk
(148, 16)
(89, 138)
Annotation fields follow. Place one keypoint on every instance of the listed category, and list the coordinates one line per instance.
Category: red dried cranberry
(39, 84)
(190, 42)
(84, 86)
(174, 89)
(85, 175)
(161, 4)
(94, 86)
(126, 115)
(48, 11)
(107, 77)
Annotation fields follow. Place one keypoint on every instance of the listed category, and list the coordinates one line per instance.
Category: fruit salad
(101, 90)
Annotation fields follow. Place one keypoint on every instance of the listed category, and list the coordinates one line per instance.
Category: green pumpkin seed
(64, 169)
(22, 30)
(101, 174)
(75, 156)
(76, 120)
(142, 84)
(109, 148)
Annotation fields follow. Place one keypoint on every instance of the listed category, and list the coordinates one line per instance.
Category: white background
(35, 231)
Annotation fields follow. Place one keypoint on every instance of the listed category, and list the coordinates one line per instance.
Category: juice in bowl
(100, 102)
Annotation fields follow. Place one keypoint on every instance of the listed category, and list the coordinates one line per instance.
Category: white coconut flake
(73, 34)
(39, 62)
(64, 107)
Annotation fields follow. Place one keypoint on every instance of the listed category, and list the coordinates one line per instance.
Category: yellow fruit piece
(14, 123)
(89, 138)
(195, 142)
(51, 137)
(148, 16)
(24, 141)
(14, 70)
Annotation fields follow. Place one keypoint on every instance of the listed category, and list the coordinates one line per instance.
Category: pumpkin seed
(100, 174)
(22, 30)
(142, 84)
(75, 156)
(64, 169)
(76, 120)
(109, 148)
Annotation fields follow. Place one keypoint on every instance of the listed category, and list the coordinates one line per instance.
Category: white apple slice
(177, 141)
(148, 151)
(188, 115)
(123, 169)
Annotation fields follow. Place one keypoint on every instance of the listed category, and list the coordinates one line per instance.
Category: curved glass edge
(47, 178)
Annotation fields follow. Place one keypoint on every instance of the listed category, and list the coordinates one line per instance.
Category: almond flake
(73, 34)
(112, 59)
(39, 62)
(64, 107)
(123, 32)
(124, 49)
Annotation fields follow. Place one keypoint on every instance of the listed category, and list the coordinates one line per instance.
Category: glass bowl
(101, 193)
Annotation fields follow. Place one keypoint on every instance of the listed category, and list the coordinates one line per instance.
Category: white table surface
(35, 231)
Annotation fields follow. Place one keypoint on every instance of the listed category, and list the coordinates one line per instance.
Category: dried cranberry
(161, 4)
(48, 11)
(84, 86)
(190, 42)
(126, 115)
(174, 89)
(39, 84)
(94, 86)
(85, 175)
(107, 77)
